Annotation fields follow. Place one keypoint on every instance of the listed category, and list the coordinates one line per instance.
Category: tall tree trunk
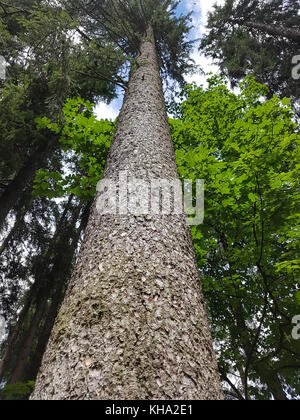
(289, 33)
(133, 323)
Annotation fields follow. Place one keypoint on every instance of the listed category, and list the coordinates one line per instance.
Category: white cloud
(207, 6)
(109, 112)
(200, 11)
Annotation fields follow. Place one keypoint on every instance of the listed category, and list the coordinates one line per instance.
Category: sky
(200, 9)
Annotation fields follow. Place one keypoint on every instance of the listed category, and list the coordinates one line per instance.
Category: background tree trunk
(35, 323)
(61, 272)
(289, 33)
(15, 333)
(17, 373)
(133, 323)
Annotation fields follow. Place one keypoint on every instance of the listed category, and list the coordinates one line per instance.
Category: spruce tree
(133, 322)
(257, 37)
(45, 66)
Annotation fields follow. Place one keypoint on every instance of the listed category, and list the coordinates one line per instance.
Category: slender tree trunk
(44, 286)
(289, 33)
(17, 373)
(18, 222)
(63, 272)
(43, 335)
(133, 323)
(272, 380)
(16, 331)
(18, 335)
(10, 236)
(265, 372)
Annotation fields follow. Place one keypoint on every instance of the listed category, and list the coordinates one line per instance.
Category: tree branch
(105, 78)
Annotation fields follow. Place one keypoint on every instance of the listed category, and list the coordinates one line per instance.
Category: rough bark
(133, 323)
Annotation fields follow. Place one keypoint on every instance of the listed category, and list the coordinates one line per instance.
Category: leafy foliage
(89, 140)
(125, 22)
(247, 150)
(18, 391)
(46, 64)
